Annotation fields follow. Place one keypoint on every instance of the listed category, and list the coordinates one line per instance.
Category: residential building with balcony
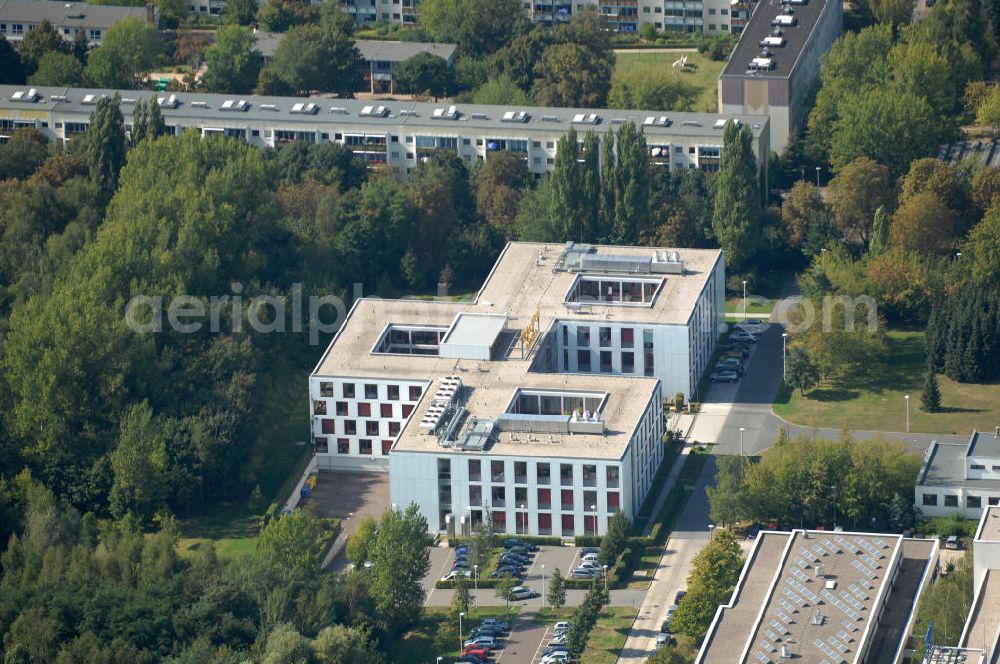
(775, 64)
(963, 478)
(538, 404)
(390, 134)
(19, 17)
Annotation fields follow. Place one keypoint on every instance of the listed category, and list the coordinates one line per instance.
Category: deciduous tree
(736, 219)
(233, 63)
(126, 54)
(800, 372)
(424, 73)
(58, 69)
(856, 192)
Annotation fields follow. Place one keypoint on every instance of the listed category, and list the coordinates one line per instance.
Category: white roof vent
(549, 118)
(653, 121)
(268, 107)
(586, 118)
(450, 113)
(165, 102)
(515, 116)
(374, 112)
(305, 108)
(233, 105)
(340, 110)
(199, 104)
(29, 96)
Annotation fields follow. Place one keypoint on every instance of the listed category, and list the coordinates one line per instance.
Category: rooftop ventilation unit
(761, 64)
(773, 42)
(305, 108)
(339, 110)
(784, 20)
(128, 100)
(58, 98)
(690, 123)
(618, 121)
(241, 105)
(515, 116)
(479, 116)
(587, 118)
(165, 102)
(653, 121)
(720, 123)
(408, 113)
(268, 107)
(549, 118)
(375, 112)
(450, 113)
(199, 104)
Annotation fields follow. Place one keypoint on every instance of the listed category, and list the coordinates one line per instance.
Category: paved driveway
(349, 497)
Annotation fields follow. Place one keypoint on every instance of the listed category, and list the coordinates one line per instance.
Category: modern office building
(380, 57)
(776, 63)
(982, 627)
(963, 478)
(821, 597)
(538, 404)
(19, 17)
(387, 134)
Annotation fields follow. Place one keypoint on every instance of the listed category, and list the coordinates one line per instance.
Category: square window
(993, 500)
(350, 427)
(386, 447)
(542, 473)
(496, 471)
(321, 445)
(568, 525)
(951, 501)
(475, 470)
(393, 428)
(371, 391)
(371, 428)
(341, 407)
(364, 409)
(329, 426)
(407, 409)
(326, 389)
(365, 446)
(583, 336)
(415, 392)
(343, 446)
(319, 408)
(385, 409)
(348, 389)
(392, 392)
(974, 502)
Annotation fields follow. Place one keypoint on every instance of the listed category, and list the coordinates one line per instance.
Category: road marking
(541, 644)
(438, 577)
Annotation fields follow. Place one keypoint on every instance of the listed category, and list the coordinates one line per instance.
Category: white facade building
(538, 405)
(960, 478)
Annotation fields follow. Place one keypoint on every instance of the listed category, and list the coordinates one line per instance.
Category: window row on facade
(951, 500)
(349, 427)
(496, 472)
(364, 446)
(370, 391)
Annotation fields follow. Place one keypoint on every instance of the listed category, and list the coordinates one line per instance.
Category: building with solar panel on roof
(820, 597)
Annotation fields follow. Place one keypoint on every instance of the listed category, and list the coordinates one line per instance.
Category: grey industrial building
(19, 17)
(774, 67)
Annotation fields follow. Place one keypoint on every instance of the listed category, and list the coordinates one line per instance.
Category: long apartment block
(387, 134)
(538, 404)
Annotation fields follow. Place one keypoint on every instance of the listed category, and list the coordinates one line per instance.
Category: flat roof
(371, 49)
(983, 627)
(67, 13)
(759, 26)
(989, 525)
(945, 466)
(417, 116)
(984, 444)
(814, 592)
(474, 329)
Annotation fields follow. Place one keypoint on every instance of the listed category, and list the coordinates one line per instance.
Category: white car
(589, 557)
(455, 573)
(522, 592)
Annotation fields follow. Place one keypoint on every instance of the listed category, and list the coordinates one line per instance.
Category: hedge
(501, 538)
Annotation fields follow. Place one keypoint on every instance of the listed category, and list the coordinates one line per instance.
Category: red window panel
(614, 501)
(329, 426)
(364, 409)
(544, 523)
(567, 499)
(628, 337)
(544, 499)
(385, 409)
(407, 409)
(568, 524)
(343, 446)
(386, 446)
(500, 520)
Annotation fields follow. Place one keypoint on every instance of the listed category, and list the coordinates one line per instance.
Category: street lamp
(461, 641)
(605, 577)
(593, 508)
(475, 578)
(439, 659)
(784, 362)
(543, 584)
(711, 531)
(907, 397)
(817, 176)
(742, 429)
(744, 300)
(524, 526)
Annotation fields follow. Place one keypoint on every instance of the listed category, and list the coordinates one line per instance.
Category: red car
(482, 653)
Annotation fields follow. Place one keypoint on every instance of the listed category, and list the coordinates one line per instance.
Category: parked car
(562, 625)
(462, 549)
(519, 550)
(582, 573)
(663, 639)
(953, 543)
(493, 622)
(472, 658)
(455, 573)
(726, 376)
(481, 653)
(589, 549)
(481, 641)
(522, 592)
(511, 543)
(514, 556)
(752, 325)
(559, 640)
(591, 557)
(665, 626)
(743, 336)
(671, 610)
(679, 596)
(556, 658)
(730, 364)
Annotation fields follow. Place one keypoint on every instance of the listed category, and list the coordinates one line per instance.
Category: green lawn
(757, 305)
(417, 645)
(702, 72)
(228, 548)
(876, 401)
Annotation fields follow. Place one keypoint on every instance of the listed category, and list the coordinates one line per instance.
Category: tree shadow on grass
(832, 394)
(957, 409)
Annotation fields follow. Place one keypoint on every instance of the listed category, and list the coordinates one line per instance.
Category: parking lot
(527, 640)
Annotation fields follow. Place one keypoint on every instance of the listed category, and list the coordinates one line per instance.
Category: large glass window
(628, 337)
(544, 499)
(544, 524)
(583, 336)
(612, 473)
(543, 473)
(326, 389)
(566, 474)
(606, 366)
(371, 391)
(364, 446)
(604, 336)
(475, 495)
(329, 426)
(973, 502)
(475, 473)
(583, 360)
(348, 389)
(951, 501)
(498, 496)
(520, 472)
(496, 471)
(568, 525)
(566, 500)
(628, 362)
(589, 475)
